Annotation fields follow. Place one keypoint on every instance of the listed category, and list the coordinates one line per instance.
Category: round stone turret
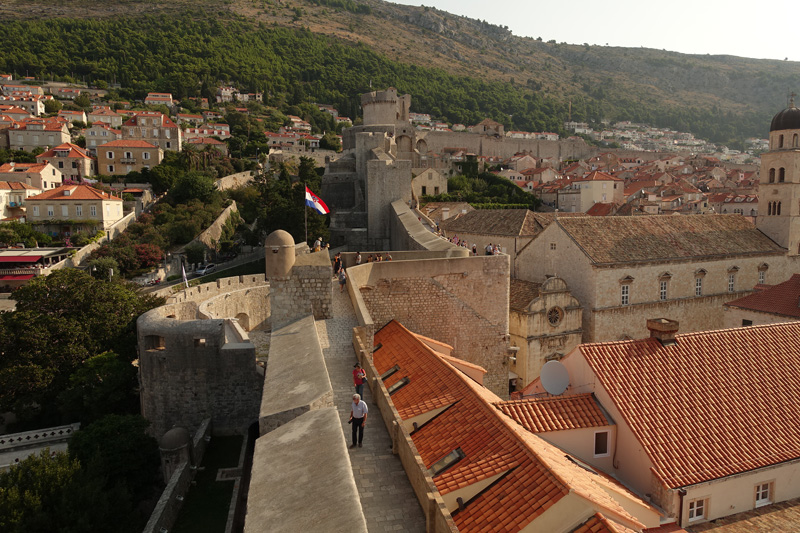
(280, 254)
(175, 448)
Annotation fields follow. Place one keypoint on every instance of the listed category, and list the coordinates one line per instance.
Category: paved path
(387, 499)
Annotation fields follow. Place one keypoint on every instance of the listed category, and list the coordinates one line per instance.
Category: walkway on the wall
(387, 500)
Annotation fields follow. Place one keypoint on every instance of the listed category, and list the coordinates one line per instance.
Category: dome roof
(175, 438)
(279, 238)
(788, 119)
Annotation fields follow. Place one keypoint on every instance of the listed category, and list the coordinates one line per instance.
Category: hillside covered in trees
(330, 51)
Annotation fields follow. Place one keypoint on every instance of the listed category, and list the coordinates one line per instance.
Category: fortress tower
(779, 185)
(385, 107)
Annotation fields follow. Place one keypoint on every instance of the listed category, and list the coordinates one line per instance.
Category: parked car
(202, 270)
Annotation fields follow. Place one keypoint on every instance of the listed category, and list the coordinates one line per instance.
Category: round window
(554, 315)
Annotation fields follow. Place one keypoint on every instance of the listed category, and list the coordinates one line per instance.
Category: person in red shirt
(359, 378)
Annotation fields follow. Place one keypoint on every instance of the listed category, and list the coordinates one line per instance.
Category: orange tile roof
(127, 143)
(522, 293)
(16, 186)
(609, 240)
(555, 413)
(76, 192)
(73, 150)
(706, 408)
(782, 299)
(536, 474)
(34, 168)
(498, 222)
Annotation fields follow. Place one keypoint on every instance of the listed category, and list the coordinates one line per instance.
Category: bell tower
(779, 183)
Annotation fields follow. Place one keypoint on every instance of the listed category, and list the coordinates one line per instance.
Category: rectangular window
(110, 168)
(698, 286)
(79, 210)
(731, 282)
(93, 210)
(763, 496)
(146, 155)
(601, 444)
(697, 510)
(155, 132)
(50, 210)
(746, 322)
(110, 155)
(36, 210)
(397, 385)
(762, 277)
(64, 210)
(662, 291)
(552, 246)
(625, 294)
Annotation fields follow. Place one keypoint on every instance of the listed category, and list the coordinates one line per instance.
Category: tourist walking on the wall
(358, 258)
(337, 264)
(318, 244)
(342, 279)
(359, 378)
(358, 417)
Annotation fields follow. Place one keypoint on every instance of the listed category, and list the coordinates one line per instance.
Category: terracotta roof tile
(76, 192)
(536, 474)
(499, 222)
(782, 299)
(753, 400)
(555, 413)
(522, 293)
(609, 240)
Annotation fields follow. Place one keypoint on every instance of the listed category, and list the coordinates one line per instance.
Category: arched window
(781, 175)
(780, 141)
(779, 209)
(769, 209)
(772, 175)
(794, 140)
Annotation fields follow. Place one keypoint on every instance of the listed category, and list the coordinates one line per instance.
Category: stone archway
(244, 321)
(404, 143)
(422, 146)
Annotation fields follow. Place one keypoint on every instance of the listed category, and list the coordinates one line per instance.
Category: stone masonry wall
(461, 302)
(306, 291)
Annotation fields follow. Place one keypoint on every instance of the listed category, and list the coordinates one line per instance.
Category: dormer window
(396, 386)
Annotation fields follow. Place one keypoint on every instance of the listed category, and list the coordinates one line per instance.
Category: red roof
(76, 192)
(72, 150)
(555, 413)
(19, 258)
(782, 299)
(714, 404)
(127, 143)
(16, 277)
(528, 475)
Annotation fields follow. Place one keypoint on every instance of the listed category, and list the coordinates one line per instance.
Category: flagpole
(305, 210)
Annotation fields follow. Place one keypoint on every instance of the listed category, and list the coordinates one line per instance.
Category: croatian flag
(314, 202)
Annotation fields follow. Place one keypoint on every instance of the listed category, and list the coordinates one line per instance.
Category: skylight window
(389, 372)
(446, 462)
(398, 385)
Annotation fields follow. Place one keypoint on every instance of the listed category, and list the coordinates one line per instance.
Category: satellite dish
(554, 377)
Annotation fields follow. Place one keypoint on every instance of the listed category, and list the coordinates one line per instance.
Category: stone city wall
(206, 291)
(211, 235)
(171, 500)
(190, 370)
(408, 233)
(307, 291)
(234, 181)
(485, 145)
(462, 302)
(250, 306)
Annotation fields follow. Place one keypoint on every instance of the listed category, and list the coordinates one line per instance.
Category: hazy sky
(733, 27)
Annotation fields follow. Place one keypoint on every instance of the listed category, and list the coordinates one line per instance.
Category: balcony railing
(128, 161)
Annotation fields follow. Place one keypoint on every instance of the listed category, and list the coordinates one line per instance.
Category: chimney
(664, 330)
(445, 213)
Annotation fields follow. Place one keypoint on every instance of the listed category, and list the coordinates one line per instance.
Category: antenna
(554, 377)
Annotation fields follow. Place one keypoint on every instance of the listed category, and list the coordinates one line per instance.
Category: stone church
(625, 270)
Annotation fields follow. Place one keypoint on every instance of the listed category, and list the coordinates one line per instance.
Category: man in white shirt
(358, 417)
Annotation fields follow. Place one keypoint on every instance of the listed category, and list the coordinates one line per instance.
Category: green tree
(60, 321)
(83, 101)
(52, 106)
(192, 185)
(31, 492)
(195, 253)
(330, 141)
(118, 448)
(102, 385)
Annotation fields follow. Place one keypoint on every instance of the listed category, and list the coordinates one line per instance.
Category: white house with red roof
(100, 133)
(32, 103)
(41, 175)
(12, 198)
(210, 130)
(38, 133)
(154, 128)
(72, 116)
(104, 114)
(80, 203)
(158, 98)
(71, 160)
(706, 422)
(202, 143)
(127, 155)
